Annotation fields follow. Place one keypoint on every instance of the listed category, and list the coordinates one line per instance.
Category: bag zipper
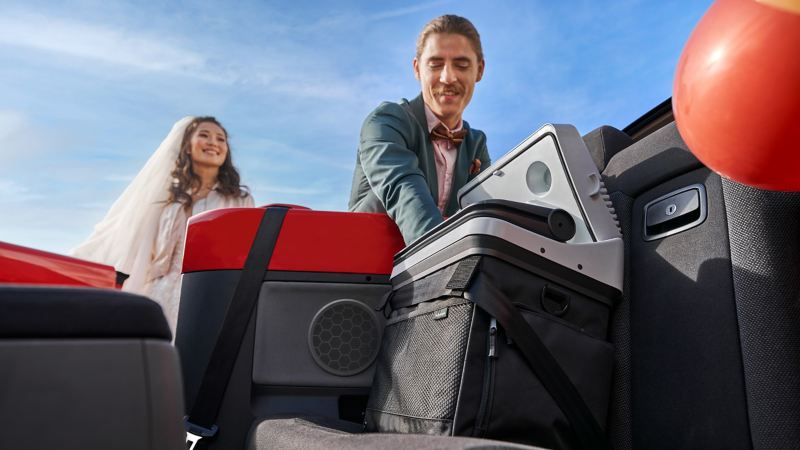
(482, 420)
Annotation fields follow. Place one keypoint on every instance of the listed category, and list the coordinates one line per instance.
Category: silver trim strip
(602, 261)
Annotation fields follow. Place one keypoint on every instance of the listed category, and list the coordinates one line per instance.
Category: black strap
(492, 300)
(203, 415)
(427, 288)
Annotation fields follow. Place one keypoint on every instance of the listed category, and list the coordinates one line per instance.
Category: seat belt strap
(200, 423)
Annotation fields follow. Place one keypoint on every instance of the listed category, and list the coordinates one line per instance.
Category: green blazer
(396, 172)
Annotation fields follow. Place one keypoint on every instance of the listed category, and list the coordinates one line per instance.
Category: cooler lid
(455, 239)
(552, 223)
(309, 241)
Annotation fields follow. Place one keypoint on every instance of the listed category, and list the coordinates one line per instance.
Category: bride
(143, 233)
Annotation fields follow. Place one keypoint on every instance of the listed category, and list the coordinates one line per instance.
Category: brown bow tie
(456, 137)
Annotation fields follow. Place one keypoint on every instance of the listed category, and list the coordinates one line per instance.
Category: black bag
(460, 355)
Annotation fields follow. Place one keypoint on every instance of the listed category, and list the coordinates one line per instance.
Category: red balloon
(736, 94)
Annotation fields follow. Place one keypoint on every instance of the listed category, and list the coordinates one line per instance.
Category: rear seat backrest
(604, 142)
(662, 390)
(682, 380)
(764, 233)
(86, 368)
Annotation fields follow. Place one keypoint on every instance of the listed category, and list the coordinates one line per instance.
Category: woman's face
(209, 145)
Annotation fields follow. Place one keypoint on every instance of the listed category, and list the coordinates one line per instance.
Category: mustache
(454, 89)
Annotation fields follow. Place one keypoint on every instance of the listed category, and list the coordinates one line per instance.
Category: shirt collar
(433, 121)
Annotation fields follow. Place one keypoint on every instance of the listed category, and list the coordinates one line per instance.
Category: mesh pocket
(420, 363)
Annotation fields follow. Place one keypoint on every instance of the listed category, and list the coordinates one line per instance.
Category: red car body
(23, 265)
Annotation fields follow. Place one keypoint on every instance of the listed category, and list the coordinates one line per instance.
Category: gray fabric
(604, 142)
(688, 388)
(619, 415)
(630, 172)
(78, 312)
(303, 434)
(655, 159)
(76, 394)
(764, 230)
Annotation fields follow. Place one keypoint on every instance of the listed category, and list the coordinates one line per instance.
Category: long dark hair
(184, 180)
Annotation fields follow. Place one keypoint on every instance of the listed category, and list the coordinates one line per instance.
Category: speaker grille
(344, 337)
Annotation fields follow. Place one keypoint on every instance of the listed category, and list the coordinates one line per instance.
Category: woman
(143, 233)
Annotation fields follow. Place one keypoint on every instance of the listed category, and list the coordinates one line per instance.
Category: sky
(88, 89)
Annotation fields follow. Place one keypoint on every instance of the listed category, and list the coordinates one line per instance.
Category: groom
(415, 156)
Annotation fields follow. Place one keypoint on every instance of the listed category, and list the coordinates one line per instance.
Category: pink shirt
(444, 153)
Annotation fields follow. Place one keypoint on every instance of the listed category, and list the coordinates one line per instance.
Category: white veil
(126, 235)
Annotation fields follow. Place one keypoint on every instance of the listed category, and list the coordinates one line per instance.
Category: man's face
(447, 70)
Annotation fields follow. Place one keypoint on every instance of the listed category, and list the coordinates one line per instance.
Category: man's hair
(453, 24)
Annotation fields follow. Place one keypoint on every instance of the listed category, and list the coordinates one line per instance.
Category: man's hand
(475, 167)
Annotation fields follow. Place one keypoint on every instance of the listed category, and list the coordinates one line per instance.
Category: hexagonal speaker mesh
(344, 337)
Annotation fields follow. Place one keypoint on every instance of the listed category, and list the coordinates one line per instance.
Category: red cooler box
(313, 338)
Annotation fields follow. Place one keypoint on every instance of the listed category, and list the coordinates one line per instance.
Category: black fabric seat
(87, 368)
(63, 312)
(604, 142)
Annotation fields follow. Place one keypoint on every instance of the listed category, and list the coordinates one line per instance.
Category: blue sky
(90, 88)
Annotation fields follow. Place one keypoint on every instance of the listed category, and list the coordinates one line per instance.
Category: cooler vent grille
(344, 337)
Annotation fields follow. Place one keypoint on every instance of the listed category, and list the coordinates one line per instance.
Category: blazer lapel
(427, 162)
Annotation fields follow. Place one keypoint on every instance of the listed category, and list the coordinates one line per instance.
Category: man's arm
(392, 170)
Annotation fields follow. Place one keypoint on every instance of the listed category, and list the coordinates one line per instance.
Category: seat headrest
(605, 142)
(57, 312)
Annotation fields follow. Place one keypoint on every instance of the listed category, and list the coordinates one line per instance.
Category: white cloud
(94, 207)
(407, 10)
(119, 178)
(43, 224)
(98, 43)
(283, 151)
(283, 68)
(14, 192)
(297, 85)
(19, 138)
(11, 122)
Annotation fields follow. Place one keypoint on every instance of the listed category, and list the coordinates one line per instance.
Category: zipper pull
(493, 338)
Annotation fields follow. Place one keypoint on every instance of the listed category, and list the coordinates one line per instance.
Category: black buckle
(195, 432)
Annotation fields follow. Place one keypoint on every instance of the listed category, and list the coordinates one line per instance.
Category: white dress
(163, 281)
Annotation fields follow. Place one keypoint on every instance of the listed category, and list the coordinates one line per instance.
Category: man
(415, 156)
